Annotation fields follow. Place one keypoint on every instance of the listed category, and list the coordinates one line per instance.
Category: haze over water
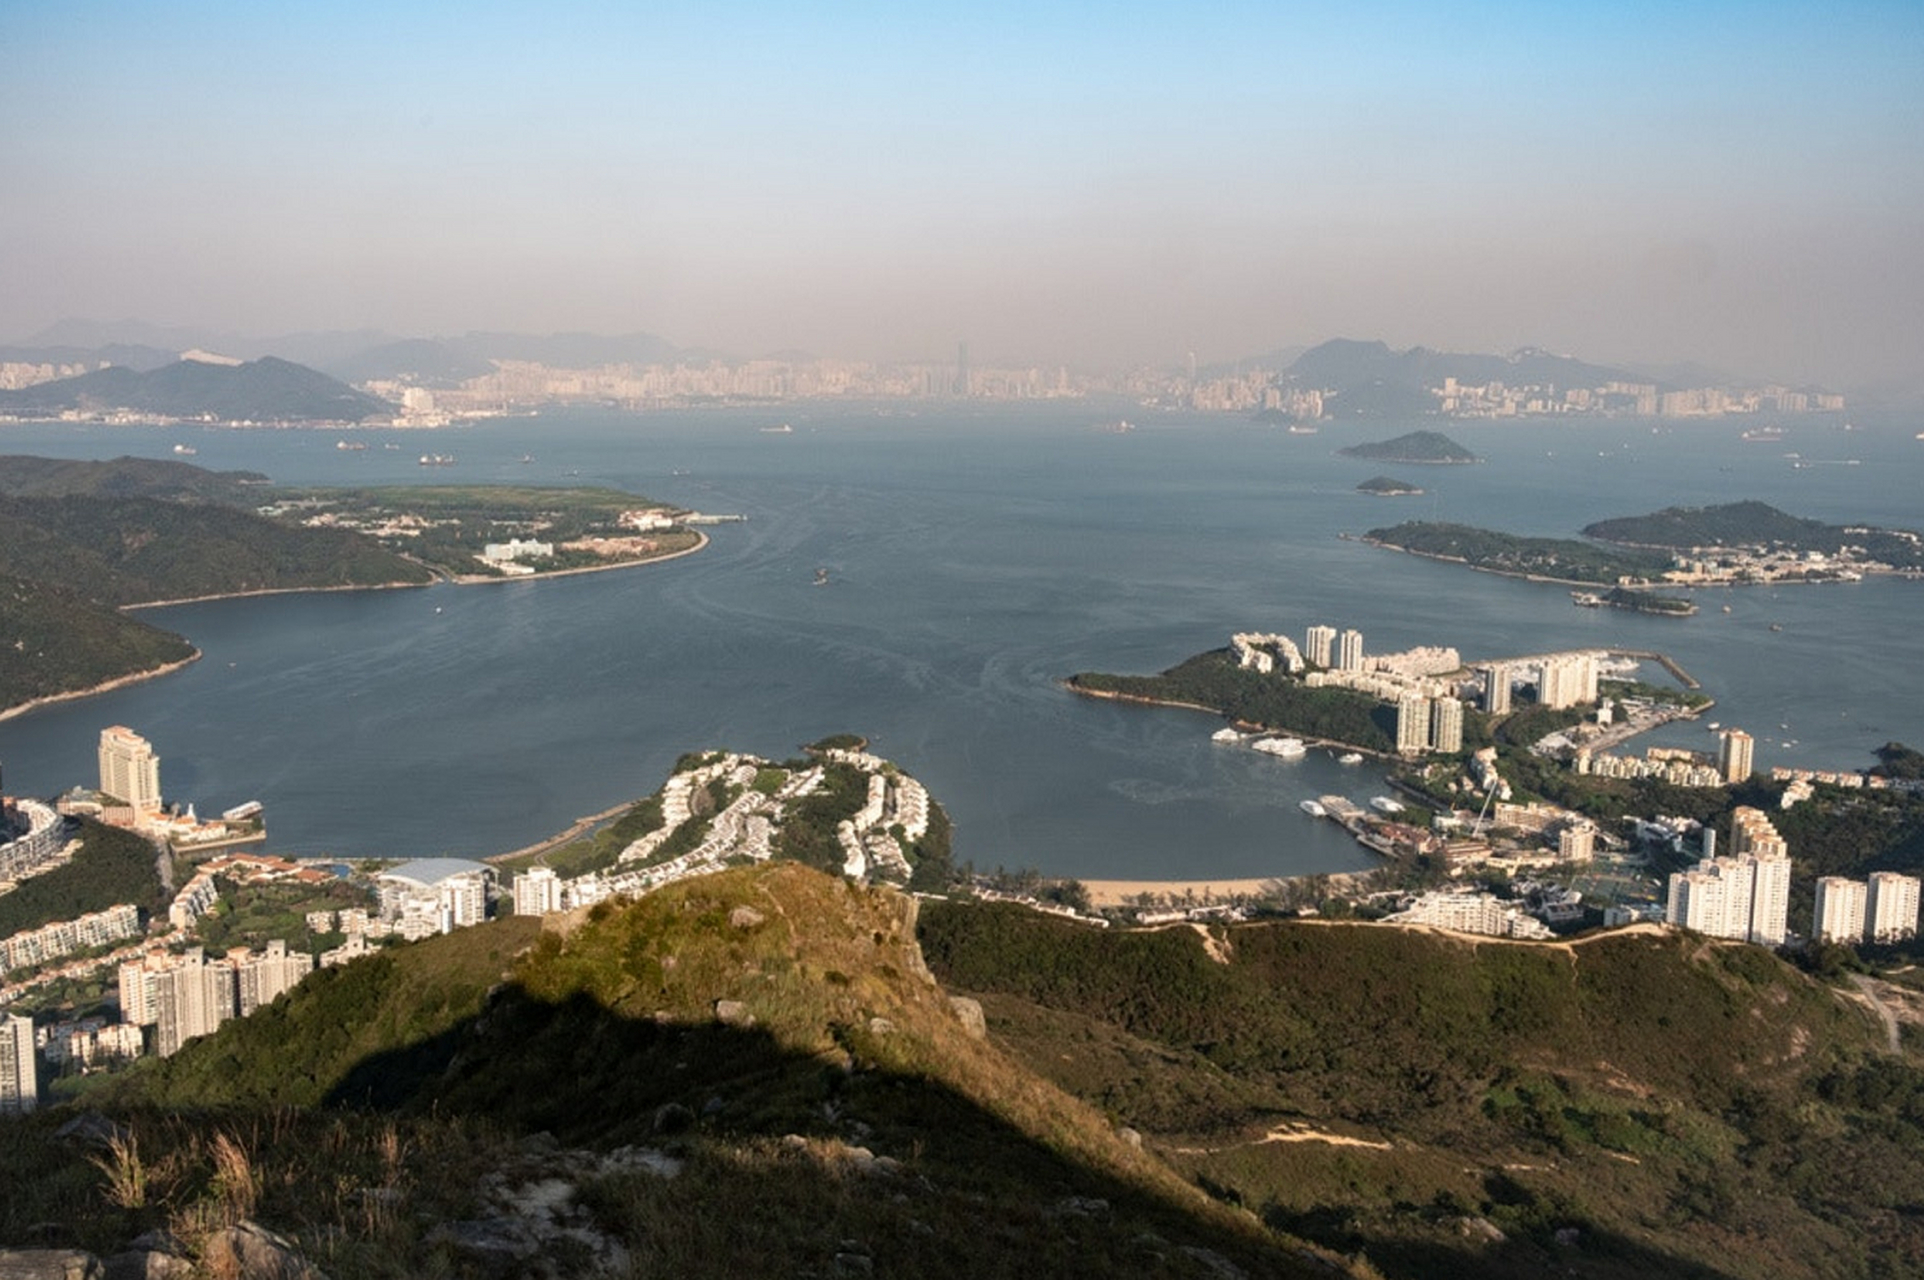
(975, 557)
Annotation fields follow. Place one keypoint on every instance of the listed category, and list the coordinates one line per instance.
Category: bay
(975, 556)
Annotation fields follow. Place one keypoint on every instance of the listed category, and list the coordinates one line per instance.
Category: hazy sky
(1740, 183)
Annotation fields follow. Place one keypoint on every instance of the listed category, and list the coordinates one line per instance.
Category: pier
(1664, 660)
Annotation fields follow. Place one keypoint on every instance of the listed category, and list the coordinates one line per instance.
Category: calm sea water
(975, 558)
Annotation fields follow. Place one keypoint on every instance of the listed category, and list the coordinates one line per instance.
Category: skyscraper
(1320, 643)
(19, 1080)
(129, 769)
(1412, 724)
(1733, 756)
(1496, 689)
(1446, 725)
(1350, 651)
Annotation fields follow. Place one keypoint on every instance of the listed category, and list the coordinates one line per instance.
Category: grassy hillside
(773, 1030)
(111, 867)
(131, 550)
(23, 476)
(1448, 1107)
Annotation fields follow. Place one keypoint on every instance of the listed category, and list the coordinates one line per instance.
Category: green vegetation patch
(1213, 680)
(111, 867)
(1564, 559)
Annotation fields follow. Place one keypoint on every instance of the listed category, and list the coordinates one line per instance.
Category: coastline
(1638, 585)
(482, 579)
(574, 832)
(118, 682)
(457, 580)
(136, 677)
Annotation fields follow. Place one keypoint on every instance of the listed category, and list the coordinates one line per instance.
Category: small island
(1421, 448)
(1636, 601)
(1736, 544)
(1385, 487)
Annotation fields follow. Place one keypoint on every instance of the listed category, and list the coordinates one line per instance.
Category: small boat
(783, 430)
(1383, 804)
(1285, 748)
(1350, 757)
(350, 446)
(526, 458)
(1299, 429)
(437, 459)
(186, 450)
(1313, 809)
(1776, 626)
(1226, 735)
(821, 577)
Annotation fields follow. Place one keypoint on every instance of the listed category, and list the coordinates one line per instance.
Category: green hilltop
(771, 1033)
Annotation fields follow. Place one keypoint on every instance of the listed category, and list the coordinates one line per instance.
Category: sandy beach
(1116, 893)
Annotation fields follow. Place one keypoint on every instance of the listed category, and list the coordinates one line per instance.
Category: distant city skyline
(1736, 185)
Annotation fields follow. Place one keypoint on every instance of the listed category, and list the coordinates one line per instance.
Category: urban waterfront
(974, 557)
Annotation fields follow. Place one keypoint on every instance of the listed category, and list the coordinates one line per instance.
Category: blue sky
(1101, 184)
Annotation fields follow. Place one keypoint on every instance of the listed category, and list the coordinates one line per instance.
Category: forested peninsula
(80, 542)
(1214, 682)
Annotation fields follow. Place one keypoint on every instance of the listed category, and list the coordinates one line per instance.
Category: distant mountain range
(357, 356)
(265, 390)
(1357, 378)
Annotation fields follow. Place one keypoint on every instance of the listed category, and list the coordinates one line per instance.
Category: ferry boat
(1313, 809)
(1383, 804)
(1286, 748)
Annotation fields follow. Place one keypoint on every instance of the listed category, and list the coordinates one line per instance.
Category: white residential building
(1320, 644)
(1743, 895)
(1412, 724)
(1349, 654)
(1446, 725)
(129, 769)
(1890, 907)
(537, 892)
(1839, 912)
(1471, 913)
